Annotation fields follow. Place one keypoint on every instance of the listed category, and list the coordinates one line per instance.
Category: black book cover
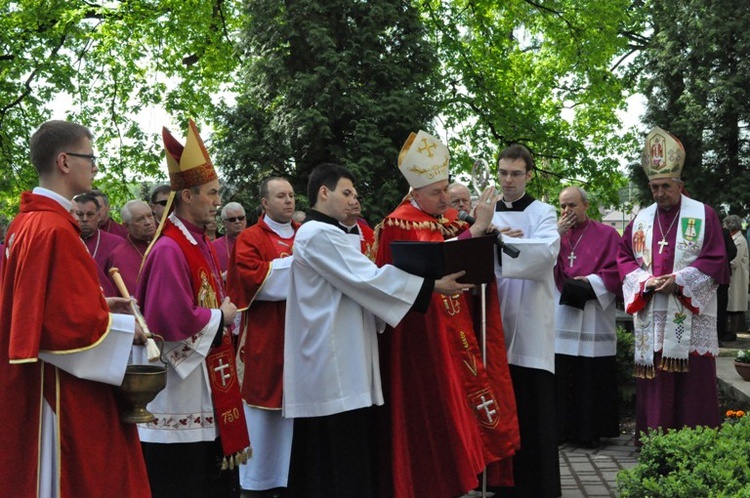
(575, 293)
(434, 260)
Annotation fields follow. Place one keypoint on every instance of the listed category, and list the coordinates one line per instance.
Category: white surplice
(526, 286)
(331, 360)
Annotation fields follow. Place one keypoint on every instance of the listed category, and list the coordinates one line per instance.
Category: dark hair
(264, 185)
(518, 151)
(178, 194)
(52, 138)
(327, 174)
(88, 197)
(160, 189)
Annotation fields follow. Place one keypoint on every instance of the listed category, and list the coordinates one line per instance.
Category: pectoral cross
(572, 257)
(662, 243)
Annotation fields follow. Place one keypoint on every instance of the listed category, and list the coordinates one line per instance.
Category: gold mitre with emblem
(423, 160)
(188, 165)
(663, 155)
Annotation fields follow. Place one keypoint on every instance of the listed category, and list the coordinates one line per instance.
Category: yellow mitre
(188, 165)
(663, 155)
(423, 160)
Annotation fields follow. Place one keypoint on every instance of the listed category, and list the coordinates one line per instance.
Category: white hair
(231, 206)
(126, 213)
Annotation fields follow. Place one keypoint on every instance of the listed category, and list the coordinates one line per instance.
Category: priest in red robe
(128, 256)
(258, 282)
(61, 350)
(438, 391)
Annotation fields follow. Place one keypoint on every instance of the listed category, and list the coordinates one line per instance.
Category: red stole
(486, 390)
(222, 374)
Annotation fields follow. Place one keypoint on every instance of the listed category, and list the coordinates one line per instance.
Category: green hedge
(692, 463)
(625, 379)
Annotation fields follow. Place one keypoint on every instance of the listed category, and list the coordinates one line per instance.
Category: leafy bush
(700, 462)
(743, 355)
(625, 364)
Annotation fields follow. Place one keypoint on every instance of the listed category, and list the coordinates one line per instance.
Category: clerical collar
(284, 230)
(316, 215)
(517, 205)
(353, 229)
(51, 194)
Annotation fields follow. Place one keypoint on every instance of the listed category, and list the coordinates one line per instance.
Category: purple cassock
(100, 246)
(223, 247)
(165, 289)
(114, 228)
(127, 258)
(677, 399)
(596, 253)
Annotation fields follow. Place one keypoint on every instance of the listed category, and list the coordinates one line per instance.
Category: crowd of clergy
(301, 361)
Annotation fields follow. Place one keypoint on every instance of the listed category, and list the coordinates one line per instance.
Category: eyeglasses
(90, 157)
(161, 203)
(236, 218)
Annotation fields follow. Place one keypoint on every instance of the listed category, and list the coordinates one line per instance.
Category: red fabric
(261, 340)
(50, 300)
(220, 365)
(433, 378)
(367, 241)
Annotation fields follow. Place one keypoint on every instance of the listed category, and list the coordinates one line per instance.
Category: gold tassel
(644, 371)
(224, 463)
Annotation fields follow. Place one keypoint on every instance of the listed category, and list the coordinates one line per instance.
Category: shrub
(743, 355)
(700, 462)
(625, 364)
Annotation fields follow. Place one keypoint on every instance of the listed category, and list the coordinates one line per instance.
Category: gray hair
(733, 222)
(583, 194)
(231, 206)
(126, 214)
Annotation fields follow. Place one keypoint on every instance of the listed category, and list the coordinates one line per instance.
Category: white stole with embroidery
(678, 324)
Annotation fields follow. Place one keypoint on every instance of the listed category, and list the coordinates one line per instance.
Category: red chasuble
(51, 301)
(261, 342)
(449, 416)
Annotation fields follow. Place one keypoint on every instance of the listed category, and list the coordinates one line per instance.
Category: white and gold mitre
(663, 155)
(423, 160)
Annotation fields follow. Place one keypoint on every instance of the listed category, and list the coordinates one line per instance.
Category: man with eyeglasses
(459, 197)
(63, 345)
(671, 258)
(234, 220)
(526, 289)
(258, 282)
(158, 201)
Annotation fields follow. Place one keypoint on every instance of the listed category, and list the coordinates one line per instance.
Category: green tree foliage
(513, 69)
(695, 74)
(110, 61)
(329, 81)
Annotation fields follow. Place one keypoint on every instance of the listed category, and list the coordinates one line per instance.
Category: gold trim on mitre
(188, 165)
(423, 160)
(663, 155)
